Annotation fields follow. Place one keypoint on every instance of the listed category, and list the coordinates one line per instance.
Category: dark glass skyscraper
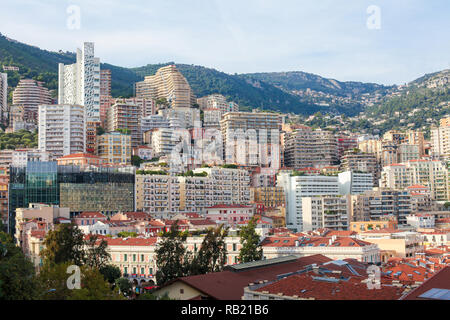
(106, 190)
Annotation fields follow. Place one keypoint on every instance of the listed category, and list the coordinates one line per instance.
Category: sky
(381, 41)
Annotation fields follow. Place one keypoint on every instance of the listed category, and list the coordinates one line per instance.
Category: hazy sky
(326, 37)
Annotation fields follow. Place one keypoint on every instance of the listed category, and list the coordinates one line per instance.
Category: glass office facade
(107, 190)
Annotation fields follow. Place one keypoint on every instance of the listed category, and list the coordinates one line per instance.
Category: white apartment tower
(298, 187)
(3, 95)
(79, 83)
(62, 129)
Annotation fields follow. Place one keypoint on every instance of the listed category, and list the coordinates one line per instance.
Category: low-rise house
(405, 244)
(99, 228)
(230, 283)
(332, 247)
(435, 237)
(88, 218)
(230, 215)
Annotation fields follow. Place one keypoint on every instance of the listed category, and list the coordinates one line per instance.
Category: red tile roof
(131, 241)
(229, 206)
(229, 285)
(88, 214)
(440, 280)
(205, 222)
(80, 155)
(137, 215)
(306, 286)
(289, 241)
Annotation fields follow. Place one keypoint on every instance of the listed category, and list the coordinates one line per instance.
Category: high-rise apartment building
(231, 186)
(79, 83)
(162, 141)
(297, 187)
(152, 122)
(217, 101)
(125, 116)
(252, 138)
(168, 83)
(105, 82)
(3, 96)
(211, 118)
(270, 197)
(331, 212)
(91, 135)
(351, 182)
(157, 193)
(196, 193)
(355, 160)
(380, 203)
(306, 148)
(114, 147)
(62, 129)
(147, 107)
(440, 141)
(346, 142)
(432, 174)
(30, 94)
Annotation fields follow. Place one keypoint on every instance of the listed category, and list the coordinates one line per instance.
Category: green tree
(96, 253)
(125, 286)
(212, 255)
(94, 287)
(251, 249)
(64, 244)
(172, 259)
(136, 161)
(100, 131)
(111, 273)
(53, 279)
(17, 275)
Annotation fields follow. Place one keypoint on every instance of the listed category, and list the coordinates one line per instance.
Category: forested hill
(296, 92)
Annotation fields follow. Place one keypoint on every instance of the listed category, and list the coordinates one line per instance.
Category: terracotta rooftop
(229, 285)
(441, 280)
(313, 241)
(229, 206)
(131, 241)
(310, 285)
(79, 155)
(89, 214)
(205, 222)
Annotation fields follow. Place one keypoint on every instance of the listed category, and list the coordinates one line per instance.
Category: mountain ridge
(289, 91)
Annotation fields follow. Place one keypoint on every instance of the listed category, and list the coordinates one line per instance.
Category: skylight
(437, 294)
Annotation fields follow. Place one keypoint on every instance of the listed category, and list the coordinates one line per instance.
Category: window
(125, 257)
(181, 291)
(142, 271)
(142, 257)
(134, 270)
(134, 257)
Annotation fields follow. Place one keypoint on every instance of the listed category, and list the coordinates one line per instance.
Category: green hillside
(267, 91)
(297, 80)
(248, 94)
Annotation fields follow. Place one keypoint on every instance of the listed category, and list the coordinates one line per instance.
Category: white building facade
(79, 83)
(62, 129)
